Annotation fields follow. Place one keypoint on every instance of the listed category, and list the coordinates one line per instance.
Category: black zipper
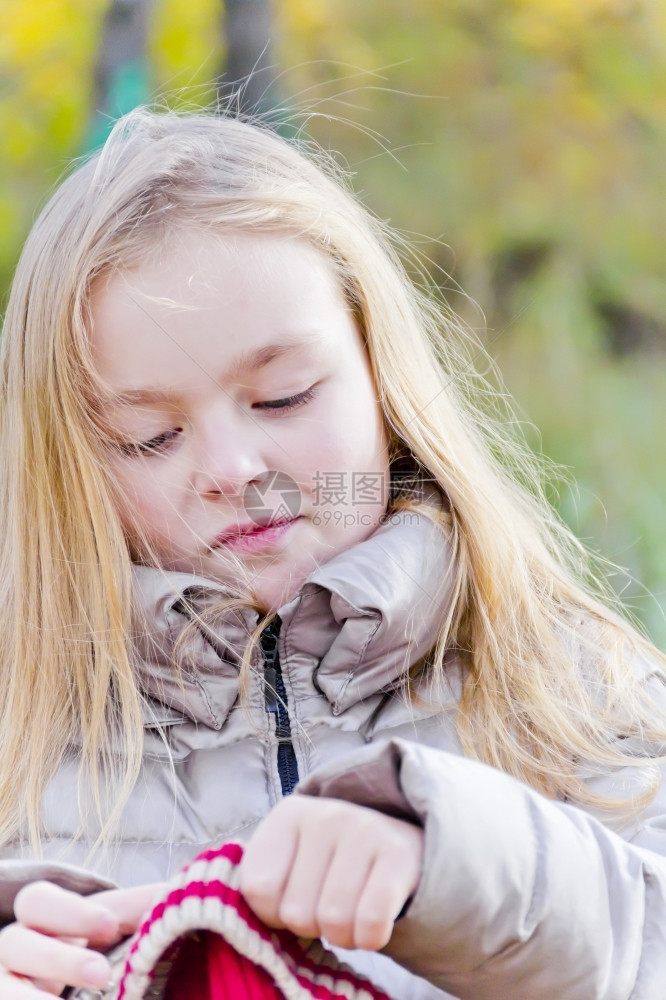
(276, 702)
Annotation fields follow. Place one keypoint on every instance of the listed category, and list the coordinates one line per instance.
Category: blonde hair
(551, 673)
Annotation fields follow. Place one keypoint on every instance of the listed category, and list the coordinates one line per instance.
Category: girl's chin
(273, 593)
(269, 588)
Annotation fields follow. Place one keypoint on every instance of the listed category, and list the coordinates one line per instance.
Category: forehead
(235, 303)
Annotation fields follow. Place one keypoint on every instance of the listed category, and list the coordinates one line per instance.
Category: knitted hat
(203, 942)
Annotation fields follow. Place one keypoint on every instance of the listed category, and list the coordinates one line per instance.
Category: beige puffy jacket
(521, 898)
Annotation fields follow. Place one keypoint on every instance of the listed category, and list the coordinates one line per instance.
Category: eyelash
(161, 442)
(288, 403)
(155, 446)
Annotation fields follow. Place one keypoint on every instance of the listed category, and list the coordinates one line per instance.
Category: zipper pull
(269, 647)
(270, 694)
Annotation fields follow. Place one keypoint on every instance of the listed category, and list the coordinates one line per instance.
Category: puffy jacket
(520, 897)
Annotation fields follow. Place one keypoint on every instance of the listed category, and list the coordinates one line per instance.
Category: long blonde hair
(551, 673)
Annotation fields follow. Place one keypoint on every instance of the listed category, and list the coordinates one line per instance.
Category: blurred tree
(122, 78)
(248, 71)
(546, 136)
(47, 53)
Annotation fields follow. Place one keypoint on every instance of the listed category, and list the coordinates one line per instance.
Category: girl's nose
(230, 457)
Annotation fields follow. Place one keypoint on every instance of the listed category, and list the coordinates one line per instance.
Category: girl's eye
(160, 443)
(289, 402)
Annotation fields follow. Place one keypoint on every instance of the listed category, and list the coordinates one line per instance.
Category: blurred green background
(520, 143)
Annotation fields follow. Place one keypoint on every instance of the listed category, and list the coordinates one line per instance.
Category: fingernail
(96, 972)
(108, 924)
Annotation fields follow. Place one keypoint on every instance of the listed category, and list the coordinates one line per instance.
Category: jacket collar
(363, 619)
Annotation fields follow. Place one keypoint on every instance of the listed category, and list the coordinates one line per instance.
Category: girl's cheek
(141, 507)
(140, 486)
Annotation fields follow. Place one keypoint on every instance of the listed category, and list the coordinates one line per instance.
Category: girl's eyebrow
(247, 361)
(252, 360)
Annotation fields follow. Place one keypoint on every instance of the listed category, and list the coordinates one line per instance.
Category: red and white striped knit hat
(201, 941)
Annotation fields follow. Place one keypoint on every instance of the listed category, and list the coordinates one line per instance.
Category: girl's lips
(256, 538)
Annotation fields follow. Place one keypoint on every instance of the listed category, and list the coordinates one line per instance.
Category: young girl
(260, 530)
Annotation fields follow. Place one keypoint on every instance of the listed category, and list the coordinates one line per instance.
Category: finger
(300, 899)
(17, 988)
(49, 909)
(342, 888)
(26, 952)
(49, 986)
(130, 906)
(391, 880)
(376, 909)
(266, 863)
(375, 868)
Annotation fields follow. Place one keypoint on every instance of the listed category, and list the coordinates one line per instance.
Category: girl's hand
(325, 868)
(51, 944)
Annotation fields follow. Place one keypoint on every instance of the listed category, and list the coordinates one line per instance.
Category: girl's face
(245, 414)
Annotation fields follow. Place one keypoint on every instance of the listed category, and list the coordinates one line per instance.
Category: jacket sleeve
(16, 873)
(520, 896)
